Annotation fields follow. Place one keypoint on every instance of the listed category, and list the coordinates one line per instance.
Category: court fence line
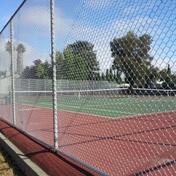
(65, 68)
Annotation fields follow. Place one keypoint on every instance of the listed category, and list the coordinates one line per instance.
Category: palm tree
(20, 50)
(8, 49)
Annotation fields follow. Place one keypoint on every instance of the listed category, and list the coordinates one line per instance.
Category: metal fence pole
(12, 95)
(54, 76)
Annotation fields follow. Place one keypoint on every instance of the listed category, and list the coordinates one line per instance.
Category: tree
(61, 65)
(44, 70)
(151, 75)
(8, 49)
(80, 61)
(107, 75)
(169, 82)
(32, 71)
(103, 77)
(132, 58)
(2, 74)
(169, 79)
(97, 76)
(27, 74)
(168, 69)
(111, 75)
(117, 75)
(20, 50)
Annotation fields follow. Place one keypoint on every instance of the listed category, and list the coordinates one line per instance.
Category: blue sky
(97, 21)
(7, 9)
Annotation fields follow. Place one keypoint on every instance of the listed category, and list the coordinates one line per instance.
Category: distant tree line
(131, 60)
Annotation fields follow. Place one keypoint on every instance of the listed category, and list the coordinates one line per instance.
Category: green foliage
(103, 77)
(32, 71)
(169, 79)
(151, 74)
(98, 76)
(20, 48)
(80, 61)
(107, 75)
(112, 76)
(131, 57)
(60, 66)
(75, 67)
(44, 70)
(77, 62)
(117, 78)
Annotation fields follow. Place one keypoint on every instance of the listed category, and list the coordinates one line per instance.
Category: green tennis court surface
(110, 107)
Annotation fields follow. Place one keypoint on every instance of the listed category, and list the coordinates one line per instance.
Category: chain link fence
(94, 80)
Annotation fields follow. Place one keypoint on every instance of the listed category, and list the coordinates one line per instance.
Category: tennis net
(73, 93)
(153, 92)
(102, 93)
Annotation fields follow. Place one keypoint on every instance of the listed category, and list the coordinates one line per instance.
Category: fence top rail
(12, 16)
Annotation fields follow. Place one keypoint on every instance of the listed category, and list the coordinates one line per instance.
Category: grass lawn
(7, 166)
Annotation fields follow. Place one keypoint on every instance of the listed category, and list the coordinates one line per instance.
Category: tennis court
(119, 128)
(101, 103)
(94, 81)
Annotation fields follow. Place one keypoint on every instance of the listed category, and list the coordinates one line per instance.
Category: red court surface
(143, 144)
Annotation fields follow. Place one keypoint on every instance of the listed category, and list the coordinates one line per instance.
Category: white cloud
(36, 15)
(139, 25)
(37, 18)
(32, 54)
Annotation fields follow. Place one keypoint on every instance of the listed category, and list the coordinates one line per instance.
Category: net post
(55, 122)
(79, 95)
(12, 74)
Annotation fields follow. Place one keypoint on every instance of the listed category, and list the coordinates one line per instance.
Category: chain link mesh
(5, 78)
(116, 81)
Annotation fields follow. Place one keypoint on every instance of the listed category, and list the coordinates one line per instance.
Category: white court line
(93, 109)
(29, 109)
(135, 114)
(78, 107)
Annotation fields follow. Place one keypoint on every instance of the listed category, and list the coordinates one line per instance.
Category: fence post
(12, 74)
(55, 122)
